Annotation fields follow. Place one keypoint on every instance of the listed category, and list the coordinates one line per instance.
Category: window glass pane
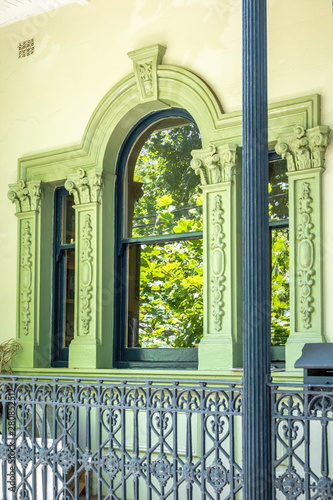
(165, 304)
(280, 300)
(163, 194)
(69, 297)
(68, 220)
(278, 191)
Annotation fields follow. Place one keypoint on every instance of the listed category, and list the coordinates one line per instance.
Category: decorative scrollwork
(161, 469)
(65, 458)
(306, 272)
(86, 187)
(217, 262)
(146, 75)
(88, 395)
(86, 276)
(217, 475)
(136, 397)
(304, 149)
(23, 453)
(217, 401)
(290, 483)
(188, 400)
(26, 277)
(65, 394)
(135, 466)
(189, 472)
(324, 488)
(43, 456)
(25, 195)
(87, 461)
(290, 404)
(24, 493)
(162, 420)
(161, 399)
(320, 406)
(215, 164)
(111, 464)
(4, 452)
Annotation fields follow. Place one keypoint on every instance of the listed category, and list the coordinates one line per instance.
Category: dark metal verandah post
(256, 266)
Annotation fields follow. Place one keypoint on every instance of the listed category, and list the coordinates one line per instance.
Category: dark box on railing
(317, 362)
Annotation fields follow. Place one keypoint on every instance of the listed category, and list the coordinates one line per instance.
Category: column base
(215, 352)
(31, 356)
(89, 354)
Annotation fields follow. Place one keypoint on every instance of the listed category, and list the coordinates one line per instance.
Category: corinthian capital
(304, 149)
(215, 164)
(25, 195)
(85, 186)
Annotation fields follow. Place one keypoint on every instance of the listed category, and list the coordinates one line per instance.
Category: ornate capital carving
(215, 164)
(25, 195)
(304, 149)
(145, 62)
(85, 186)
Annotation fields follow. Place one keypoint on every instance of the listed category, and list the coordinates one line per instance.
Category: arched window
(159, 265)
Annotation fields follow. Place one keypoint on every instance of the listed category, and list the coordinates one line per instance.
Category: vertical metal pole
(256, 265)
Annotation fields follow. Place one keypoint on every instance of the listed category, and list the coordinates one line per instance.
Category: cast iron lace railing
(68, 439)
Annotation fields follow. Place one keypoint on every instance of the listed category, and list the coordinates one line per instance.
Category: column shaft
(256, 265)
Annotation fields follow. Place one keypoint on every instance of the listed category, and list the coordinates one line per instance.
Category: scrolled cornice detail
(86, 187)
(215, 164)
(304, 149)
(25, 195)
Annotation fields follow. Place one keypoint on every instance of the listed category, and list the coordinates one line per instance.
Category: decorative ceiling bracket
(145, 62)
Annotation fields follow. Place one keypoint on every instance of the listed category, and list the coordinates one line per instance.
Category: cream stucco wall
(47, 99)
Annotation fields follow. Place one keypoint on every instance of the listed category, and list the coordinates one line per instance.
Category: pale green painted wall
(47, 99)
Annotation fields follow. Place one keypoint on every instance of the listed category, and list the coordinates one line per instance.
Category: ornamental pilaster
(304, 151)
(27, 198)
(217, 168)
(86, 187)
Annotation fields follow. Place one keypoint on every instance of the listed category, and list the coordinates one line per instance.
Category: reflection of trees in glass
(171, 273)
(278, 214)
(171, 188)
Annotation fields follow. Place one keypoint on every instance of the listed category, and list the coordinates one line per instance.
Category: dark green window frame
(128, 357)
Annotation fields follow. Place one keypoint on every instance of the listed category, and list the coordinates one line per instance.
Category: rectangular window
(279, 248)
(64, 276)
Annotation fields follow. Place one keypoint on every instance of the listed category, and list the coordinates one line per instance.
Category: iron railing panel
(120, 439)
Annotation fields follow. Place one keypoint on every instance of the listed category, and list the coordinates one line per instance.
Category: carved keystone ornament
(145, 63)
